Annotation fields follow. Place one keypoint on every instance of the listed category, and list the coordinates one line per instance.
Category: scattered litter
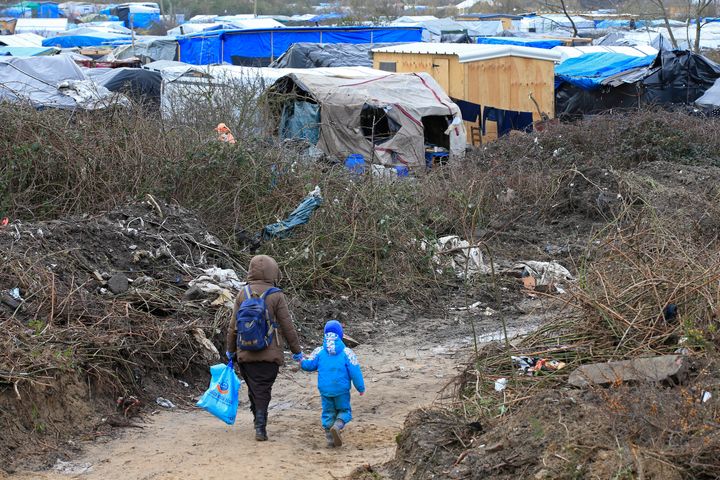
(462, 257)
(70, 468)
(474, 306)
(223, 282)
(546, 276)
(184, 383)
(672, 369)
(500, 384)
(532, 365)
(165, 403)
(15, 293)
(299, 216)
(706, 396)
(4, 222)
(209, 351)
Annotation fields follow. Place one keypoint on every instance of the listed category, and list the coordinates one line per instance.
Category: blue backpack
(255, 326)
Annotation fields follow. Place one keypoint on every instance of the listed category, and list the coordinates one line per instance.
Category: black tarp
(455, 37)
(314, 55)
(674, 78)
(140, 85)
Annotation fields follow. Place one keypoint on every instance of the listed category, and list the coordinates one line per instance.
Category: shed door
(441, 72)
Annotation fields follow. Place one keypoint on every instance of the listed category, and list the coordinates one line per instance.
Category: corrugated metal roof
(471, 52)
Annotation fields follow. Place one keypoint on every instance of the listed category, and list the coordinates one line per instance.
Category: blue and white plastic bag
(221, 399)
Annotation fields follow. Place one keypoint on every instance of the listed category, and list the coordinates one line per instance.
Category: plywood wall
(504, 83)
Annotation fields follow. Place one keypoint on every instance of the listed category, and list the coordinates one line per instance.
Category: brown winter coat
(263, 273)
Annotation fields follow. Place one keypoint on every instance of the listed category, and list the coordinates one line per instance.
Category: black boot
(260, 425)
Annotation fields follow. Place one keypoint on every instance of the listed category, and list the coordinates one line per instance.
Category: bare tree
(698, 9)
(663, 11)
(562, 7)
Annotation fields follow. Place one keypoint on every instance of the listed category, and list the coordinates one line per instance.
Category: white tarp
(54, 82)
(711, 97)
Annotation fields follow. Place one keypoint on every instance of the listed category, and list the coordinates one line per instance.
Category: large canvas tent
(261, 47)
(388, 119)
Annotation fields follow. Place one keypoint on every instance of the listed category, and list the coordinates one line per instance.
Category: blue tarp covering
(603, 24)
(94, 40)
(48, 10)
(25, 51)
(326, 16)
(264, 44)
(299, 216)
(144, 20)
(520, 41)
(588, 71)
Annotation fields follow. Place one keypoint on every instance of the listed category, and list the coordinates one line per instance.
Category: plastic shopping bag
(221, 399)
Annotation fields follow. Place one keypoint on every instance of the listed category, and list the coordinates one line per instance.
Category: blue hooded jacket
(337, 366)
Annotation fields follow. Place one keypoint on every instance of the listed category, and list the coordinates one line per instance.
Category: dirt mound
(650, 431)
(96, 307)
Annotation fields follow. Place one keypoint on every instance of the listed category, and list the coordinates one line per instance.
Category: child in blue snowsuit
(337, 366)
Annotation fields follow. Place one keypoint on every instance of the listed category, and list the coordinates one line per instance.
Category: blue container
(355, 163)
(402, 171)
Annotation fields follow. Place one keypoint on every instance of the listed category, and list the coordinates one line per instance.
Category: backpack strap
(270, 291)
(248, 292)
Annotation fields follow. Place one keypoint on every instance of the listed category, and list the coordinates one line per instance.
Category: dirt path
(193, 444)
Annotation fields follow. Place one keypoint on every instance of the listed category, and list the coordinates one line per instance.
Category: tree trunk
(572, 23)
(673, 42)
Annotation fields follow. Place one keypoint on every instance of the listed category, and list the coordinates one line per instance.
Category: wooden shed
(496, 86)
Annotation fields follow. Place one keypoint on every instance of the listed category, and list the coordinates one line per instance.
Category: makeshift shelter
(499, 88)
(7, 25)
(27, 51)
(631, 51)
(140, 85)
(85, 37)
(388, 119)
(135, 15)
(710, 100)
(521, 42)
(51, 82)
(21, 40)
(434, 29)
(47, 27)
(261, 47)
(148, 49)
(509, 22)
(314, 55)
(599, 82)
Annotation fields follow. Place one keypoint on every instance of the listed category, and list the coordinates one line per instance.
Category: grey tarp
(50, 82)
(405, 99)
(711, 97)
(313, 55)
(150, 49)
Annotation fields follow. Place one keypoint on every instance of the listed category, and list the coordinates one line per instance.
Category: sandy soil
(193, 444)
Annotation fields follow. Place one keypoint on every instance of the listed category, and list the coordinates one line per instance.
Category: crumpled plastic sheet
(224, 282)
(299, 216)
(91, 96)
(457, 253)
(545, 273)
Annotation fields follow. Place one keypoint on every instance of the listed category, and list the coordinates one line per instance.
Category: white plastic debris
(223, 282)
(70, 468)
(706, 396)
(457, 253)
(209, 351)
(165, 403)
(545, 273)
(501, 384)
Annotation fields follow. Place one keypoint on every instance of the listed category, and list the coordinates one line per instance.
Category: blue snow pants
(333, 408)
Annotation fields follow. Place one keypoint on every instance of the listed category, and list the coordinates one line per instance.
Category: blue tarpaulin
(48, 10)
(85, 40)
(520, 41)
(590, 70)
(299, 216)
(263, 45)
(603, 24)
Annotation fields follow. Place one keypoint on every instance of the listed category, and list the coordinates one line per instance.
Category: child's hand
(362, 393)
(298, 357)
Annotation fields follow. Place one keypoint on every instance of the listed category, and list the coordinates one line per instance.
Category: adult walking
(259, 368)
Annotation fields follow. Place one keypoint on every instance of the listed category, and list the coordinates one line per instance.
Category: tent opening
(435, 127)
(376, 126)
